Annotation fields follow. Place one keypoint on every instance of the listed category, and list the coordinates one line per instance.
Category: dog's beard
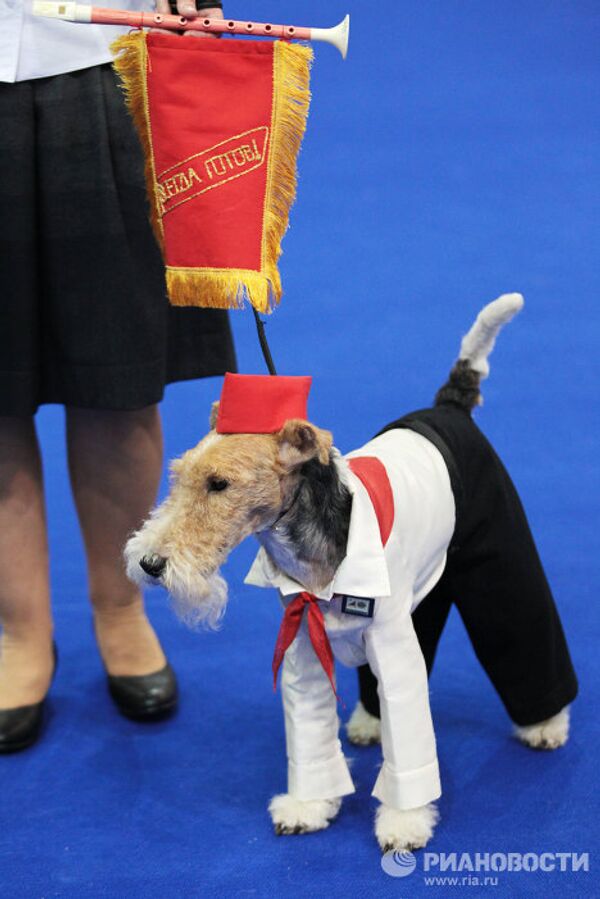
(198, 599)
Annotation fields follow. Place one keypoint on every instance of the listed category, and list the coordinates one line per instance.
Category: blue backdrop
(454, 156)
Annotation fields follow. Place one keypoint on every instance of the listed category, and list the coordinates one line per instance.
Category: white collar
(362, 572)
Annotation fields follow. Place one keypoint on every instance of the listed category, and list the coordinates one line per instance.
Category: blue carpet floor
(454, 156)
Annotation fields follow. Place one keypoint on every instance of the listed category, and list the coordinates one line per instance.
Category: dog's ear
(300, 441)
(214, 411)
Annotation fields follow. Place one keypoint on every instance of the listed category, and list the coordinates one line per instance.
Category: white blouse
(35, 47)
(397, 577)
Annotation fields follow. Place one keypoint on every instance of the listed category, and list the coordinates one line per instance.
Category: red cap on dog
(261, 404)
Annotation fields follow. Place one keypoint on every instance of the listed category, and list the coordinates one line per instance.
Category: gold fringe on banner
(130, 63)
(212, 288)
(291, 101)
(229, 288)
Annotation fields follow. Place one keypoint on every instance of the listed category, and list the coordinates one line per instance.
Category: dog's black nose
(153, 565)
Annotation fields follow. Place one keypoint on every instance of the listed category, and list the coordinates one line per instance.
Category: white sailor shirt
(397, 576)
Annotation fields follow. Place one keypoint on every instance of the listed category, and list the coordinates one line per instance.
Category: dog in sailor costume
(368, 552)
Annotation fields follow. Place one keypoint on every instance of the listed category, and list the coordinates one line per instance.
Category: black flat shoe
(21, 727)
(147, 697)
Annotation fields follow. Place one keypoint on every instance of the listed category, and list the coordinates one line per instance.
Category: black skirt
(84, 318)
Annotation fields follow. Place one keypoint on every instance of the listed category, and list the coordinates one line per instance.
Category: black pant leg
(504, 599)
(367, 690)
(429, 619)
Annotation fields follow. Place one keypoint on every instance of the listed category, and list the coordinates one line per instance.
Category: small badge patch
(358, 605)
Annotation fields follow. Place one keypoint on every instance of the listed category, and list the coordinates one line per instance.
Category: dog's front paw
(363, 728)
(548, 734)
(407, 829)
(291, 815)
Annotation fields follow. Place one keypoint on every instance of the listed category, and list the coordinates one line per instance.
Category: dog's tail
(462, 386)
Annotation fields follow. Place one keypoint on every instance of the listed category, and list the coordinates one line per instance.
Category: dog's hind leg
(507, 606)
(429, 618)
(364, 725)
(363, 729)
(549, 734)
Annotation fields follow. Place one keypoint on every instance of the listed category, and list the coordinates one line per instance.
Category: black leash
(262, 337)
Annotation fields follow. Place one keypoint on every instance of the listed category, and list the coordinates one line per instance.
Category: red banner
(221, 123)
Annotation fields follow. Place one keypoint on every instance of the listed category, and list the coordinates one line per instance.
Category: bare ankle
(26, 666)
(126, 639)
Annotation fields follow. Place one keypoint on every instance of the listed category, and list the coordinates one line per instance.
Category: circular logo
(398, 864)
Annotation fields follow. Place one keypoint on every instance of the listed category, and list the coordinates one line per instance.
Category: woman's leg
(115, 461)
(26, 647)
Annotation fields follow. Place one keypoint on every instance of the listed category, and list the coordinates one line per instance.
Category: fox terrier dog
(368, 552)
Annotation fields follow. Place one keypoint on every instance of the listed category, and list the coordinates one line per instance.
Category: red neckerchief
(372, 474)
(316, 630)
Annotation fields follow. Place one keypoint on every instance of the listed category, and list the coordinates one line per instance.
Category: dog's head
(226, 488)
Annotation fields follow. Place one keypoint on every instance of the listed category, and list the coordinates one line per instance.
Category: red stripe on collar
(372, 474)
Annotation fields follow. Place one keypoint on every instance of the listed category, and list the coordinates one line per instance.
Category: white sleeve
(409, 776)
(317, 768)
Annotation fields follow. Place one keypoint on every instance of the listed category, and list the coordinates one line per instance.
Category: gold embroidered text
(214, 167)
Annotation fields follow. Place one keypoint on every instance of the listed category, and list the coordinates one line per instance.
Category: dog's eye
(215, 485)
